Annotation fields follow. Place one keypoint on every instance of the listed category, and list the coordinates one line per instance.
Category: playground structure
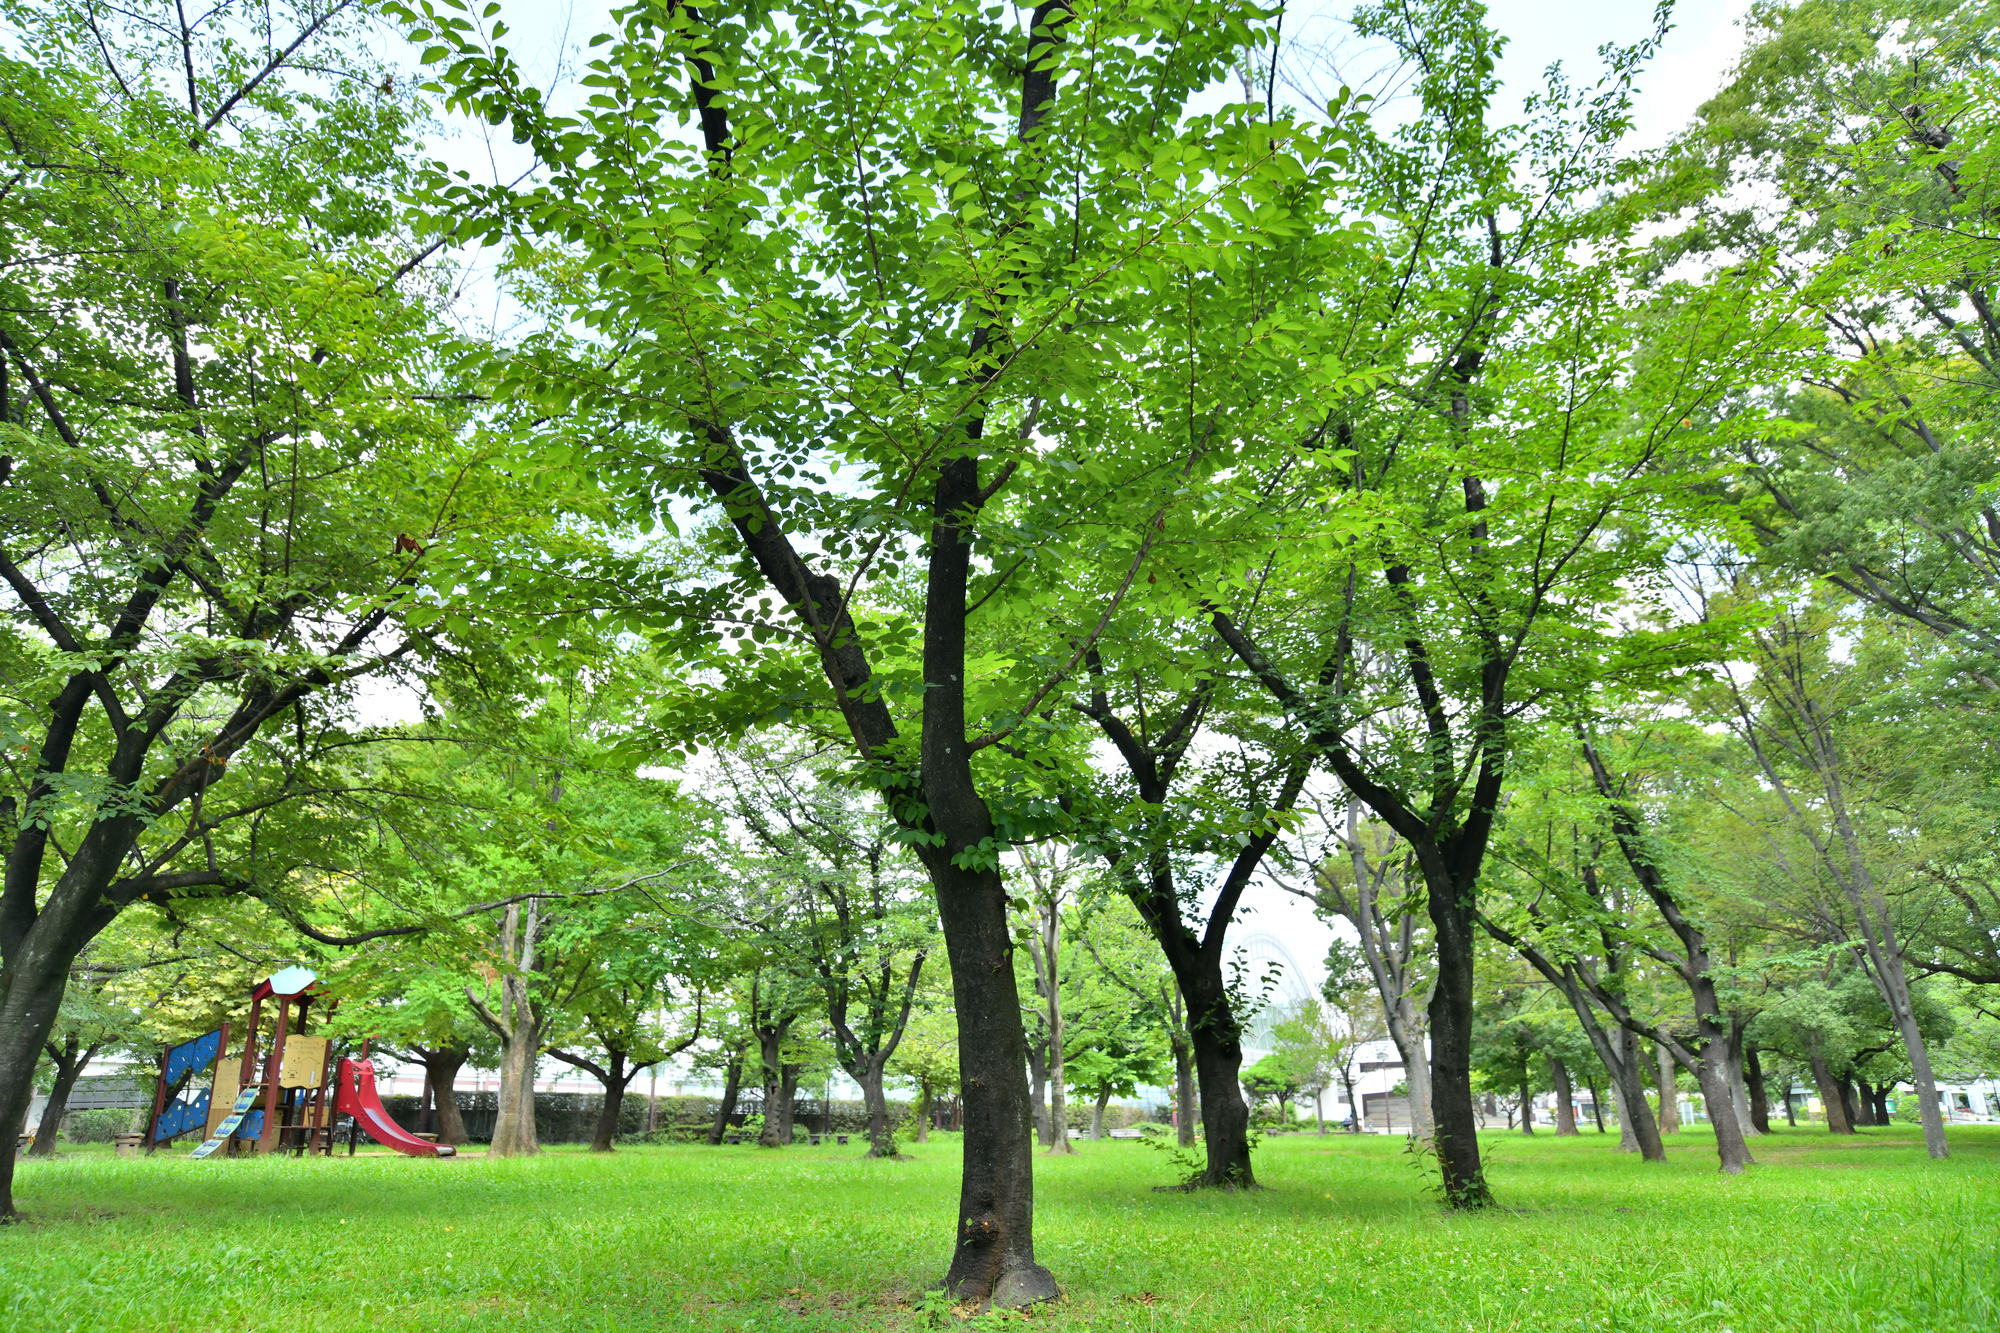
(296, 1115)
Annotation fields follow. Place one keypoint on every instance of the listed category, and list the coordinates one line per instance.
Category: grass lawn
(1824, 1234)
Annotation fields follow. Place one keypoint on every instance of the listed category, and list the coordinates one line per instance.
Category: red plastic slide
(356, 1097)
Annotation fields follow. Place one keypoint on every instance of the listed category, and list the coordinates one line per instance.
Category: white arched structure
(1259, 950)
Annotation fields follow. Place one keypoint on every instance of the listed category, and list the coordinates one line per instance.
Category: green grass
(1822, 1235)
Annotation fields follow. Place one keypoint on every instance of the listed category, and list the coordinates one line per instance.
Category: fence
(571, 1117)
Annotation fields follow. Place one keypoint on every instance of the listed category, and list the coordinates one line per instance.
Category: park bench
(1128, 1133)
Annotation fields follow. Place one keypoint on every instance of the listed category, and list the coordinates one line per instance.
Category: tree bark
(441, 1066)
(1097, 1111)
(880, 1142)
(1881, 1102)
(69, 1062)
(788, 1102)
(1760, 1102)
(1739, 1091)
(1038, 1090)
(1829, 1090)
(1856, 1109)
(1184, 1094)
(518, 1025)
(1565, 1106)
(1670, 1094)
(1527, 1103)
(725, 1106)
(924, 1111)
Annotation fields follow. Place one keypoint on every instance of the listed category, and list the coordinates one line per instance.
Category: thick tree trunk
(1184, 1094)
(1670, 1093)
(1857, 1112)
(31, 991)
(1218, 1062)
(994, 1258)
(1627, 1140)
(1456, 1124)
(1760, 1102)
(780, 1114)
(1565, 1105)
(441, 1066)
(1739, 1091)
(725, 1107)
(518, 1025)
(1712, 1071)
(1880, 1098)
(514, 1128)
(1097, 1112)
(881, 1143)
(923, 1111)
(607, 1114)
(69, 1062)
(1829, 1090)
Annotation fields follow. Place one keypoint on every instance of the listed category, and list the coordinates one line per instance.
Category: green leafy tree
(231, 492)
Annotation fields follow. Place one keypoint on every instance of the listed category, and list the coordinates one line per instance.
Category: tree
(954, 331)
(91, 1022)
(1048, 873)
(1116, 941)
(1232, 815)
(229, 496)
(837, 898)
(1317, 1044)
(1793, 717)
(1380, 897)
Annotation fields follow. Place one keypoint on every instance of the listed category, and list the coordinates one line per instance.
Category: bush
(95, 1126)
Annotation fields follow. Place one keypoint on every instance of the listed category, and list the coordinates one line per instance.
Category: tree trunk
(1711, 1071)
(732, 1085)
(1670, 1093)
(923, 1112)
(1785, 1091)
(607, 1114)
(1045, 949)
(1857, 1116)
(69, 1063)
(880, 1142)
(780, 1117)
(1627, 1140)
(1527, 1104)
(1450, 1027)
(1184, 1094)
(1565, 1106)
(31, 991)
(1739, 1092)
(1829, 1090)
(518, 1025)
(994, 1258)
(1760, 1102)
(1881, 1101)
(1218, 1061)
(441, 1066)
(1038, 1089)
(1097, 1111)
